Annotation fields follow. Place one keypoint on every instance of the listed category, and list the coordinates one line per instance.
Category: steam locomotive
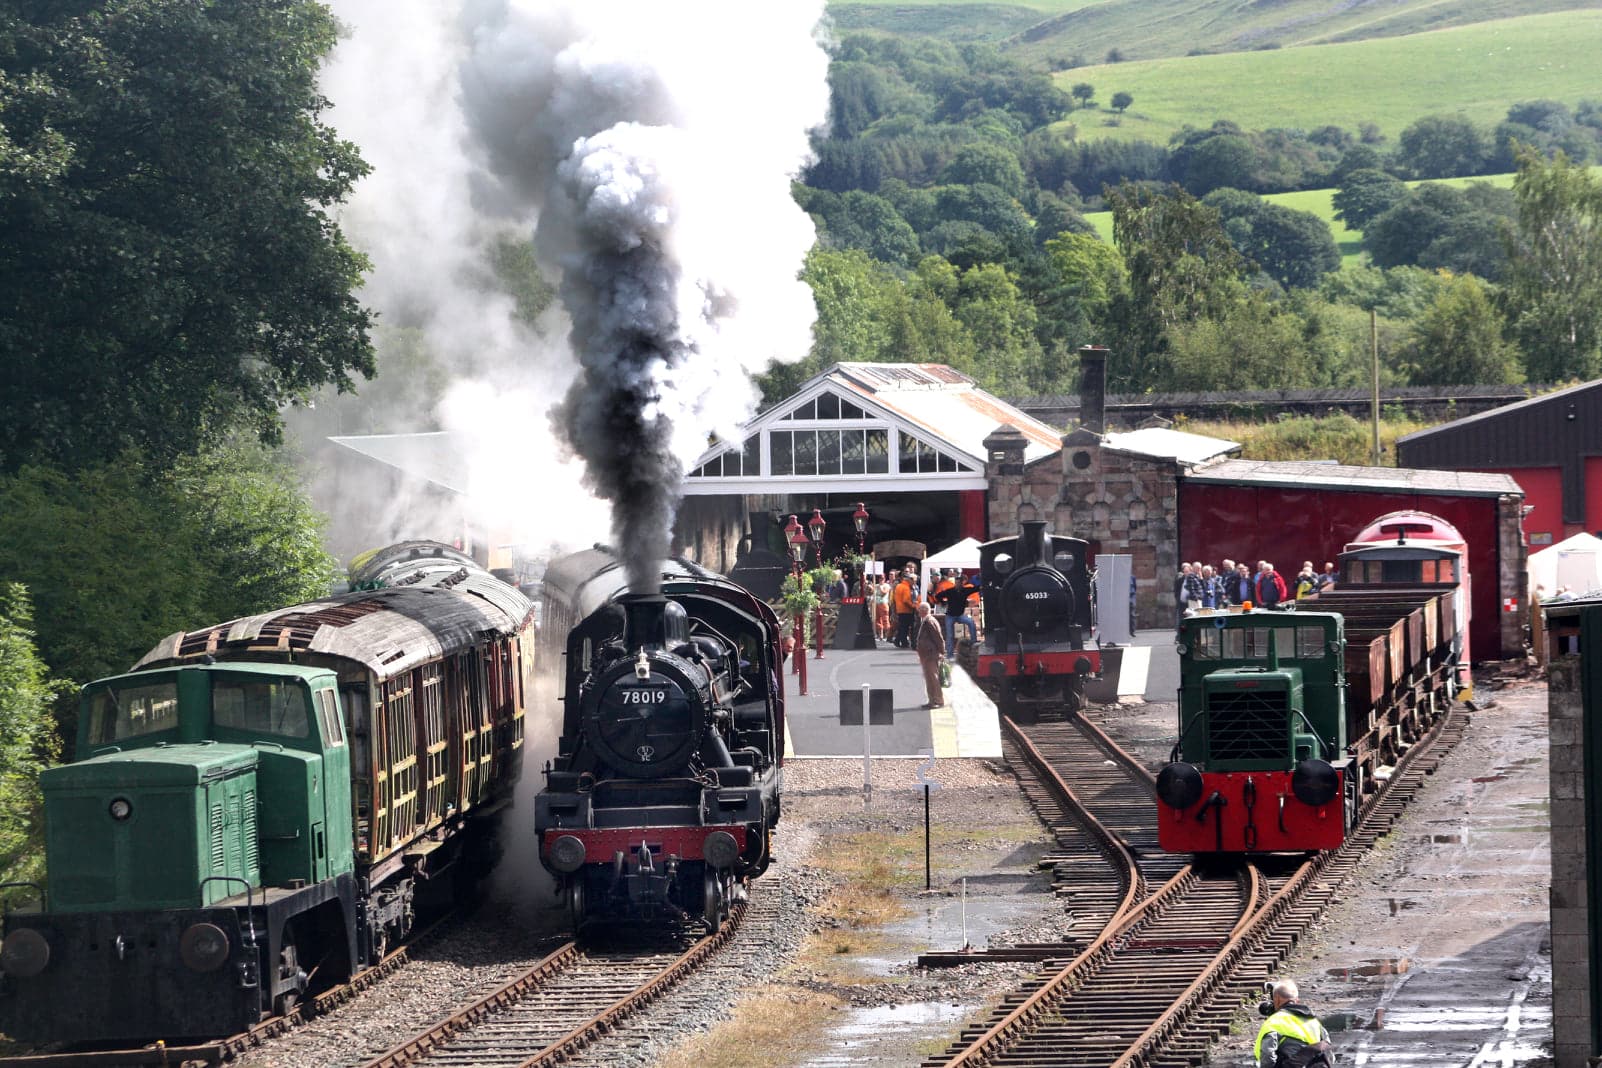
(1286, 718)
(269, 800)
(662, 799)
(1040, 645)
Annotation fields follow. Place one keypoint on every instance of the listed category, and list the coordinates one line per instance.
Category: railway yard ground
(1441, 958)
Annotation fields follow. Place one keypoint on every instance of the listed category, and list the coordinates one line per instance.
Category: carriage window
(1205, 643)
(1257, 639)
(1234, 644)
(271, 706)
(1309, 643)
(328, 717)
(129, 711)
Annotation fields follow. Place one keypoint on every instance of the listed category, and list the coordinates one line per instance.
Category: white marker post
(867, 749)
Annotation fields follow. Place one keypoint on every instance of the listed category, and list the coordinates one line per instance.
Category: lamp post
(865, 635)
(816, 527)
(797, 540)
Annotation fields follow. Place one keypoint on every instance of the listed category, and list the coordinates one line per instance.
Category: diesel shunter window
(129, 711)
(271, 706)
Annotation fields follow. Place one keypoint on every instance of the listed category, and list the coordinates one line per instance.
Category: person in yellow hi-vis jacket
(1291, 1037)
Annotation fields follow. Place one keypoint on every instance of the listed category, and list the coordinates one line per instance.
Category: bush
(27, 742)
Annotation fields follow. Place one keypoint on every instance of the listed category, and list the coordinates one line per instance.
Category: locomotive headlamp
(720, 850)
(1180, 785)
(567, 853)
(24, 953)
(203, 947)
(642, 666)
(121, 808)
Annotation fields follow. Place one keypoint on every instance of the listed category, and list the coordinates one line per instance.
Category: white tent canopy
(1573, 562)
(964, 554)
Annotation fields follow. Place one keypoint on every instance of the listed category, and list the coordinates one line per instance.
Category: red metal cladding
(682, 842)
(1041, 663)
(1305, 828)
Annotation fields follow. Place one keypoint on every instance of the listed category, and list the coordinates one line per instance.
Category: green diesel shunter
(255, 811)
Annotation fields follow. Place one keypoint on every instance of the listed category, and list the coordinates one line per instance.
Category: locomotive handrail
(250, 905)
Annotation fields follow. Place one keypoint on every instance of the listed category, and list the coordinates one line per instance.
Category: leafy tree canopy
(1365, 194)
(168, 266)
(1554, 298)
(1459, 339)
(1442, 146)
(28, 741)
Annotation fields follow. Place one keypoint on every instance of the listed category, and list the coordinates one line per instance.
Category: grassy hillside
(1475, 71)
(1150, 29)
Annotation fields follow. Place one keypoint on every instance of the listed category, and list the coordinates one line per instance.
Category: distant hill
(1474, 71)
(1059, 32)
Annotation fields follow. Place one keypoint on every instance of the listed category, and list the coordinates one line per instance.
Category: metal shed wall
(1559, 430)
(1287, 525)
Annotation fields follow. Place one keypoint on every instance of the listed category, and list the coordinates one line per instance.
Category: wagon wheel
(714, 900)
(1074, 693)
(576, 905)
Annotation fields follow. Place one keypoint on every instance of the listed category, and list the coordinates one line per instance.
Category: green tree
(1083, 275)
(1442, 146)
(1084, 93)
(118, 555)
(1121, 102)
(1253, 344)
(1224, 160)
(169, 264)
(1459, 339)
(1554, 295)
(1367, 194)
(988, 164)
(27, 738)
(1182, 268)
(1001, 322)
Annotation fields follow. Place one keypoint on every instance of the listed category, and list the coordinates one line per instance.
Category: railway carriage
(662, 799)
(258, 807)
(1040, 646)
(1287, 718)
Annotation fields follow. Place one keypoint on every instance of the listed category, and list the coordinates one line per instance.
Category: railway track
(225, 1049)
(562, 1004)
(1162, 981)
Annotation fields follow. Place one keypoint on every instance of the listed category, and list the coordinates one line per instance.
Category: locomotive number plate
(653, 695)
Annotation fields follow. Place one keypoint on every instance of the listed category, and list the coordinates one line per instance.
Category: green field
(1474, 71)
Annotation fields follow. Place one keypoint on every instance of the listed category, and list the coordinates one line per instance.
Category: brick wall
(1571, 942)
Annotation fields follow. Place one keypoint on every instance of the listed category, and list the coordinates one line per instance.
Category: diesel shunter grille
(1248, 725)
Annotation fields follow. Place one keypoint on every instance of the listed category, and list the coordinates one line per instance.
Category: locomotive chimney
(645, 625)
(1093, 388)
(1032, 543)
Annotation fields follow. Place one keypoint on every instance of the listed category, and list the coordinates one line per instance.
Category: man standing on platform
(904, 598)
(931, 645)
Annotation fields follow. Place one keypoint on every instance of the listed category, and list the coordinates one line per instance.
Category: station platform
(1147, 670)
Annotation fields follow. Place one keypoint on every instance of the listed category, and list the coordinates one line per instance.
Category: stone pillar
(1004, 470)
(1569, 895)
(1511, 577)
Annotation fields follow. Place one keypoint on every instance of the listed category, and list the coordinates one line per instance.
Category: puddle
(937, 925)
(1450, 839)
(1489, 778)
(858, 1032)
(1375, 965)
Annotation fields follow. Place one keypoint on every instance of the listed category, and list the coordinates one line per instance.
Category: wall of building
(1118, 502)
(708, 530)
(1287, 525)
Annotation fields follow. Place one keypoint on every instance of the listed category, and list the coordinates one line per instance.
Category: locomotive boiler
(663, 796)
(260, 807)
(1040, 646)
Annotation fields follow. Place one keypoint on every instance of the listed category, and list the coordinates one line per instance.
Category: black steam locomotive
(1040, 643)
(663, 796)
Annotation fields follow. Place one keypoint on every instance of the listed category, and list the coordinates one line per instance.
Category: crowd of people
(1199, 585)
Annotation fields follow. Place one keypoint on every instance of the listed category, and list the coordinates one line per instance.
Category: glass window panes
(266, 705)
(806, 452)
(129, 711)
(1205, 643)
(828, 406)
(947, 463)
(751, 456)
(909, 453)
(829, 452)
(851, 411)
(1234, 644)
(878, 448)
(780, 452)
(1309, 643)
(853, 452)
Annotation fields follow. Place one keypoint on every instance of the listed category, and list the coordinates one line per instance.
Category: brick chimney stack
(1093, 388)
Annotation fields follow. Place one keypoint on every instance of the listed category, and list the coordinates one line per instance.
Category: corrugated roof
(1305, 473)
(1159, 442)
(1469, 421)
(943, 402)
(436, 457)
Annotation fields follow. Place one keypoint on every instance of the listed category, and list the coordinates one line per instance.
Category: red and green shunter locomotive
(261, 807)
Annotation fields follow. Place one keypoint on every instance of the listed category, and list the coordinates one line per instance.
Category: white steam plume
(655, 143)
